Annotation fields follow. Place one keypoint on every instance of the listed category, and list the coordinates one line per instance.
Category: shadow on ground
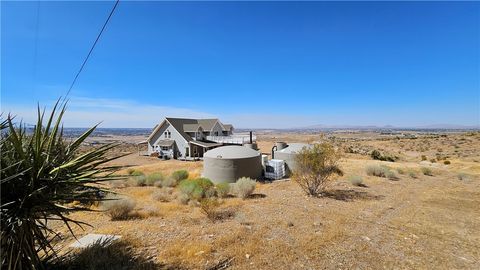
(350, 195)
(107, 255)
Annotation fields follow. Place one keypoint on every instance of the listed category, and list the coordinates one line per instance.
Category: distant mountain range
(373, 127)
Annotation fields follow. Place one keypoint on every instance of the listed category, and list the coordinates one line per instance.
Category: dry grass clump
(211, 208)
(163, 195)
(154, 178)
(412, 174)
(223, 189)
(180, 175)
(427, 171)
(169, 182)
(106, 254)
(244, 187)
(376, 170)
(356, 180)
(118, 208)
(139, 180)
(401, 171)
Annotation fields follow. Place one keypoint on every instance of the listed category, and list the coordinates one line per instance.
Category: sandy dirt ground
(414, 222)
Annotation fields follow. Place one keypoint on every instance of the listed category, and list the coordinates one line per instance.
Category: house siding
(180, 142)
(217, 128)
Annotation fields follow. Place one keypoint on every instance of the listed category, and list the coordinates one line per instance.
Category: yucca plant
(41, 173)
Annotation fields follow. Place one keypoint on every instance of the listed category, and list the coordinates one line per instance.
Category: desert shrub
(42, 171)
(183, 198)
(427, 171)
(401, 170)
(163, 194)
(169, 182)
(447, 162)
(130, 171)
(180, 175)
(137, 181)
(384, 157)
(376, 170)
(244, 187)
(209, 207)
(195, 189)
(154, 177)
(356, 180)
(424, 157)
(222, 189)
(412, 174)
(433, 160)
(136, 173)
(391, 175)
(158, 184)
(118, 208)
(316, 167)
(462, 176)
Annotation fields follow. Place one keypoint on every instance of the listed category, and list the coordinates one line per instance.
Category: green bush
(316, 168)
(154, 177)
(356, 180)
(180, 175)
(196, 189)
(138, 181)
(41, 172)
(427, 171)
(136, 173)
(376, 170)
(223, 189)
(244, 187)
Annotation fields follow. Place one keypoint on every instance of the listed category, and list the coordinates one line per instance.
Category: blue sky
(254, 64)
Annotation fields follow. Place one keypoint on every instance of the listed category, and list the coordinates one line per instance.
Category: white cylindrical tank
(228, 163)
(289, 153)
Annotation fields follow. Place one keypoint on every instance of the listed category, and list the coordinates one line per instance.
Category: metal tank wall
(288, 154)
(228, 164)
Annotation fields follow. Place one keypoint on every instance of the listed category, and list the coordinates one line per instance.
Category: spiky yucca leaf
(41, 172)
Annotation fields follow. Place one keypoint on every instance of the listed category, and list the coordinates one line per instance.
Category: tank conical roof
(294, 147)
(231, 152)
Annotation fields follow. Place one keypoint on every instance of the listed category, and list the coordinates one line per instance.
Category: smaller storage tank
(228, 163)
(251, 146)
(288, 154)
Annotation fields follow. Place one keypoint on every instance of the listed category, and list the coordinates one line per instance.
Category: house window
(169, 134)
(166, 133)
(164, 148)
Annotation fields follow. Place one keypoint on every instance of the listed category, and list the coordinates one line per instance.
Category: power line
(93, 46)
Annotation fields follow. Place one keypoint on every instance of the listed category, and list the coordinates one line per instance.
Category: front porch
(198, 148)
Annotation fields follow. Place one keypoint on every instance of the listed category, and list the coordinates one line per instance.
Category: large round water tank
(228, 163)
(289, 153)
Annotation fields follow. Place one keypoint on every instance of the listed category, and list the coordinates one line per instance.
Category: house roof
(184, 125)
(191, 127)
(228, 127)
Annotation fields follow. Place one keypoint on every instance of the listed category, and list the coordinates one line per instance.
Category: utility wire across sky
(93, 47)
